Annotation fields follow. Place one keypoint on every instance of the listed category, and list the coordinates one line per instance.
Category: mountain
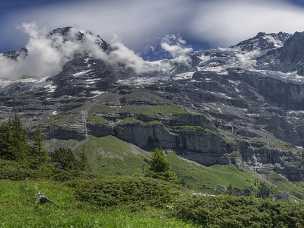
(155, 51)
(241, 105)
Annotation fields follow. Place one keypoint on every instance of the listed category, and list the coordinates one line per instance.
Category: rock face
(201, 146)
(262, 158)
(264, 41)
(288, 58)
(241, 105)
(147, 135)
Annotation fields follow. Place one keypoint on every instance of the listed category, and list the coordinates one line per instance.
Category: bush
(65, 159)
(124, 191)
(63, 176)
(14, 171)
(71, 175)
(264, 190)
(231, 211)
(159, 167)
(159, 163)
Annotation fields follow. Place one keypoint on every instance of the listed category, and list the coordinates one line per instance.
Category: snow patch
(51, 88)
(183, 76)
(81, 73)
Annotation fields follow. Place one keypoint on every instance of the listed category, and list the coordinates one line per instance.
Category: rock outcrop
(241, 105)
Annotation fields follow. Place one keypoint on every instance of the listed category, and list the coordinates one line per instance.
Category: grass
(129, 120)
(195, 130)
(95, 119)
(149, 110)
(18, 209)
(132, 120)
(152, 110)
(112, 156)
(204, 178)
(296, 188)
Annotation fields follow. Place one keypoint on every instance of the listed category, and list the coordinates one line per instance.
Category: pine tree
(83, 161)
(13, 140)
(5, 152)
(159, 164)
(39, 155)
(160, 168)
(65, 159)
(19, 138)
(264, 190)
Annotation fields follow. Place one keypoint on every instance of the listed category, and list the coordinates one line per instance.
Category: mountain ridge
(217, 106)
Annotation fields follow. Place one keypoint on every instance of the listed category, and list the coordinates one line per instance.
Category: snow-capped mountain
(247, 99)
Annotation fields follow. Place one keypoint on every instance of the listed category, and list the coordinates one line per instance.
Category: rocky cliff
(241, 105)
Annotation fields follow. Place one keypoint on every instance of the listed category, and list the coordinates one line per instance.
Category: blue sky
(139, 22)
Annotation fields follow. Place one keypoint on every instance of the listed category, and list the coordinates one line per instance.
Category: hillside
(218, 107)
(223, 128)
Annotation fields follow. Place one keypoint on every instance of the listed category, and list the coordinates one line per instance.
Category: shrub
(13, 171)
(264, 190)
(160, 168)
(119, 191)
(63, 176)
(65, 159)
(71, 175)
(232, 211)
(159, 164)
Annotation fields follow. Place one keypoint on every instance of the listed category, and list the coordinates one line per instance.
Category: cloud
(47, 54)
(180, 53)
(226, 22)
(135, 22)
(123, 55)
(138, 22)
(42, 59)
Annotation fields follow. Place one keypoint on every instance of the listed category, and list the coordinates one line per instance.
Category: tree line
(16, 144)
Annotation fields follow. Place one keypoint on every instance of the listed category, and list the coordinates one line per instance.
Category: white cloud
(179, 53)
(133, 21)
(137, 22)
(43, 58)
(46, 55)
(226, 22)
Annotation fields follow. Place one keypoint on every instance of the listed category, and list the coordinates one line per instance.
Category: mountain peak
(264, 41)
(72, 34)
(61, 31)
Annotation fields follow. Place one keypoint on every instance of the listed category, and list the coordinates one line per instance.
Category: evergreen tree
(160, 168)
(264, 190)
(13, 140)
(5, 152)
(230, 190)
(83, 161)
(159, 164)
(65, 159)
(39, 155)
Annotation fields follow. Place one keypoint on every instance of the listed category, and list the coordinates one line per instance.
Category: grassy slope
(207, 178)
(18, 209)
(286, 186)
(111, 156)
